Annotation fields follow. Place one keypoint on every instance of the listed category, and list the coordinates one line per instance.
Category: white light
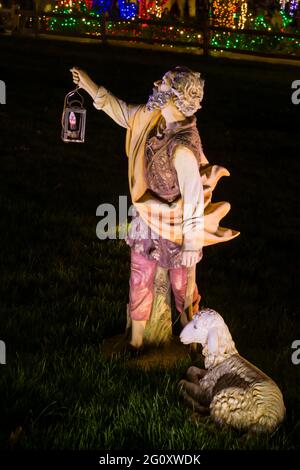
(243, 15)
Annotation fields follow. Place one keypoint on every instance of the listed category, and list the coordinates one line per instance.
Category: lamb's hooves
(180, 385)
(194, 374)
(190, 402)
(194, 391)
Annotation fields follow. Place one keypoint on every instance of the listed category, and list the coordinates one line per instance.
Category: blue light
(101, 6)
(128, 10)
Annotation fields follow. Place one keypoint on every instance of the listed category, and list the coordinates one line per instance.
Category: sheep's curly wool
(234, 391)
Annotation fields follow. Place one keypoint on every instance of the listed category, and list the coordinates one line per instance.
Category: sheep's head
(208, 328)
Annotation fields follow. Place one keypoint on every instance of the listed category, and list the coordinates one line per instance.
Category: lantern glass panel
(74, 125)
(73, 118)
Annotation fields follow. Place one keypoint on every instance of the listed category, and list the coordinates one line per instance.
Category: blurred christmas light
(243, 15)
(128, 10)
(293, 6)
(233, 14)
(224, 12)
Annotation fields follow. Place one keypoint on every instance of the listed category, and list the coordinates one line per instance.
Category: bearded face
(181, 87)
(159, 99)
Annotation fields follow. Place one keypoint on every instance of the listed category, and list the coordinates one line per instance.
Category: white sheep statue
(232, 390)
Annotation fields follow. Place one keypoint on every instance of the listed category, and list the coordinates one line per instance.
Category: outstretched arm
(117, 109)
(81, 79)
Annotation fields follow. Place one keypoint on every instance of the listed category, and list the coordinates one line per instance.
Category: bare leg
(137, 332)
(142, 274)
(141, 295)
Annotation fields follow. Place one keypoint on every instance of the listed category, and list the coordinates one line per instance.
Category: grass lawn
(62, 290)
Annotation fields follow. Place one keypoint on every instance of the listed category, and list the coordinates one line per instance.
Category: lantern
(73, 118)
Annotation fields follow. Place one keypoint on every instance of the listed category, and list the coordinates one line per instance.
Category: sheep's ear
(213, 341)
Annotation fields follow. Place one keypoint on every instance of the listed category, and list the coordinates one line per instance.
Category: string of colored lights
(237, 15)
(143, 9)
(290, 5)
(128, 10)
(89, 4)
(243, 15)
(286, 19)
(225, 12)
(101, 6)
(69, 6)
(293, 7)
(155, 8)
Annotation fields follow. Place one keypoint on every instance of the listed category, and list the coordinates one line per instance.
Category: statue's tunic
(159, 151)
(139, 122)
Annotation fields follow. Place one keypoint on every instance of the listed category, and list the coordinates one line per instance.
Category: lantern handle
(73, 93)
(71, 103)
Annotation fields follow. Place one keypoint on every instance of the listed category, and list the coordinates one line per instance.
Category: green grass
(62, 290)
